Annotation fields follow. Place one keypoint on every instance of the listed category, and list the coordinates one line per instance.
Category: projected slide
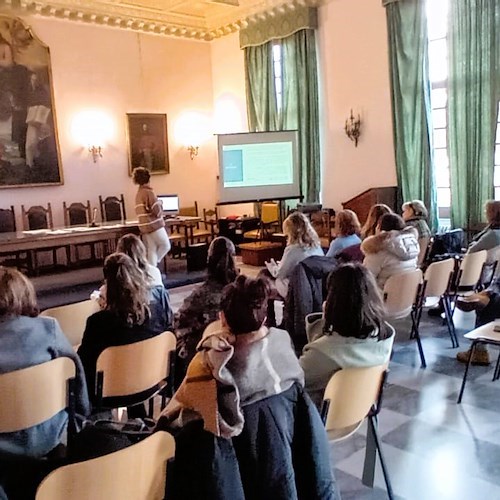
(247, 165)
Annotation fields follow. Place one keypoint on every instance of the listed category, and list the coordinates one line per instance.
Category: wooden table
(29, 241)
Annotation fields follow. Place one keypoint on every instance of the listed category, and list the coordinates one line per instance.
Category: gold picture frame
(148, 144)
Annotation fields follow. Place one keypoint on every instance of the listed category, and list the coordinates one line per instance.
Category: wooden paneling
(362, 203)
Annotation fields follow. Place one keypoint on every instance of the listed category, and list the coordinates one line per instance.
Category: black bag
(447, 245)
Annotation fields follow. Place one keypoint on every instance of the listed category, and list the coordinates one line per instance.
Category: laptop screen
(170, 203)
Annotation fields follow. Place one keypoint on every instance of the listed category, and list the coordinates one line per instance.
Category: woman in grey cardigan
(352, 332)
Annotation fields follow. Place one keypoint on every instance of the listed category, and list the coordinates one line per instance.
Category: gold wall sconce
(353, 128)
(96, 152)
(193, 151)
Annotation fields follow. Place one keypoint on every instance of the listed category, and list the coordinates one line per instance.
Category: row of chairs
(408, 293)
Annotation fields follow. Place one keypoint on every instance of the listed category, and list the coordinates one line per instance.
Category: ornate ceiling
(198, 19)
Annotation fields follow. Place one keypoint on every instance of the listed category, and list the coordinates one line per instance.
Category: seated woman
(245, 385)
(394, 249)
(27, 339)
(203, 305)
(415, 214)
(302, 242)
(131, 245)
(352, 332)
(134, 311)
(372, 221)
(489, 238)
(348, 231)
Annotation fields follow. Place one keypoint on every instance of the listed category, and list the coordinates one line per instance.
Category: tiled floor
(434, 448)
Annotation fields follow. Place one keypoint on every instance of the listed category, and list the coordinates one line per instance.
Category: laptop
(170, 204)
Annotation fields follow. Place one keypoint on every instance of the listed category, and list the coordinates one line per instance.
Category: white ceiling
(199, 19)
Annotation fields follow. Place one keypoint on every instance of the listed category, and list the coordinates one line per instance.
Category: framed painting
(148, 145)
(29, 151)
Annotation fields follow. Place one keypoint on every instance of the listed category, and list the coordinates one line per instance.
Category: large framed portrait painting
(29, 152)
(148, 146)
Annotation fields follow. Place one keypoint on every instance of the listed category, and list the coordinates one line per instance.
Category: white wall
(119, 72)
(353, 62)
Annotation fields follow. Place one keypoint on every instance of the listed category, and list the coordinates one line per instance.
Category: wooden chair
(401, 293)
(113, 208)
(8, 225)
(351, 396)
(36, 218)
(33, 395)
(79, 214)
(136, 472)
(195, 232)
(151, 361)
(211, 220)
(72, 318)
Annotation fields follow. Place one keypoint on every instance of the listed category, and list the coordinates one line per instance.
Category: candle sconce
(353, 128)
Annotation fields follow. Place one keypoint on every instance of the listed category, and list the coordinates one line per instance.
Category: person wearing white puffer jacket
(392, 250)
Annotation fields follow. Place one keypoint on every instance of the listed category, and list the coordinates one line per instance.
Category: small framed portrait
(148, 145)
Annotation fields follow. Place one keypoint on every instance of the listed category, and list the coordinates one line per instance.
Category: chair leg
(373, 430)
(496, 373)
(416, 335)
(448, 314)
(471, 354)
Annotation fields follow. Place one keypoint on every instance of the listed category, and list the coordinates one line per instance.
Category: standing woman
(149, 212)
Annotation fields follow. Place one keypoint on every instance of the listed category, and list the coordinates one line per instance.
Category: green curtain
(474, 76)
(261, 94)
(407, 31)
(301, 105)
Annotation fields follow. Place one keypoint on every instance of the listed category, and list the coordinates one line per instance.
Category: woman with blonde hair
(374, 215)
(302, 242)
(348, 230)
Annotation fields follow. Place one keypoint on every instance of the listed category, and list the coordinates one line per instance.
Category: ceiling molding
(203, 20)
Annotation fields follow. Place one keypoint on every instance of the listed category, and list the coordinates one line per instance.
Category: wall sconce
(353, 128)
(192, 129)
(92, 129)
(96, 152)
(193, 151)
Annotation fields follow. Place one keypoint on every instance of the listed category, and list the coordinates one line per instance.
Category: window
(437, 27)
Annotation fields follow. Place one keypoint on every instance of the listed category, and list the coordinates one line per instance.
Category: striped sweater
(148, 210)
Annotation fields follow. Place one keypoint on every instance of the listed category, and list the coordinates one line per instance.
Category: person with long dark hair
(202, 307)
(134, 311)
(352, 332)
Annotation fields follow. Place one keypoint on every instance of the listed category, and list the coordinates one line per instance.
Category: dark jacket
(305, 296)
(281, 454)
(104, 329)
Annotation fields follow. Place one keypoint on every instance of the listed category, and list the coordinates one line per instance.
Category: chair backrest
(471, 267)
(72, 318)
(210, 214)
(112, 208)
(37, 217)
(270, 212)
(33, 395)
(135, 472)
(400, 292)
(76, 213)
(424, 249)
(189, 211)
(437, 277)
(148, 360)
(7, 220)
(351, 393)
